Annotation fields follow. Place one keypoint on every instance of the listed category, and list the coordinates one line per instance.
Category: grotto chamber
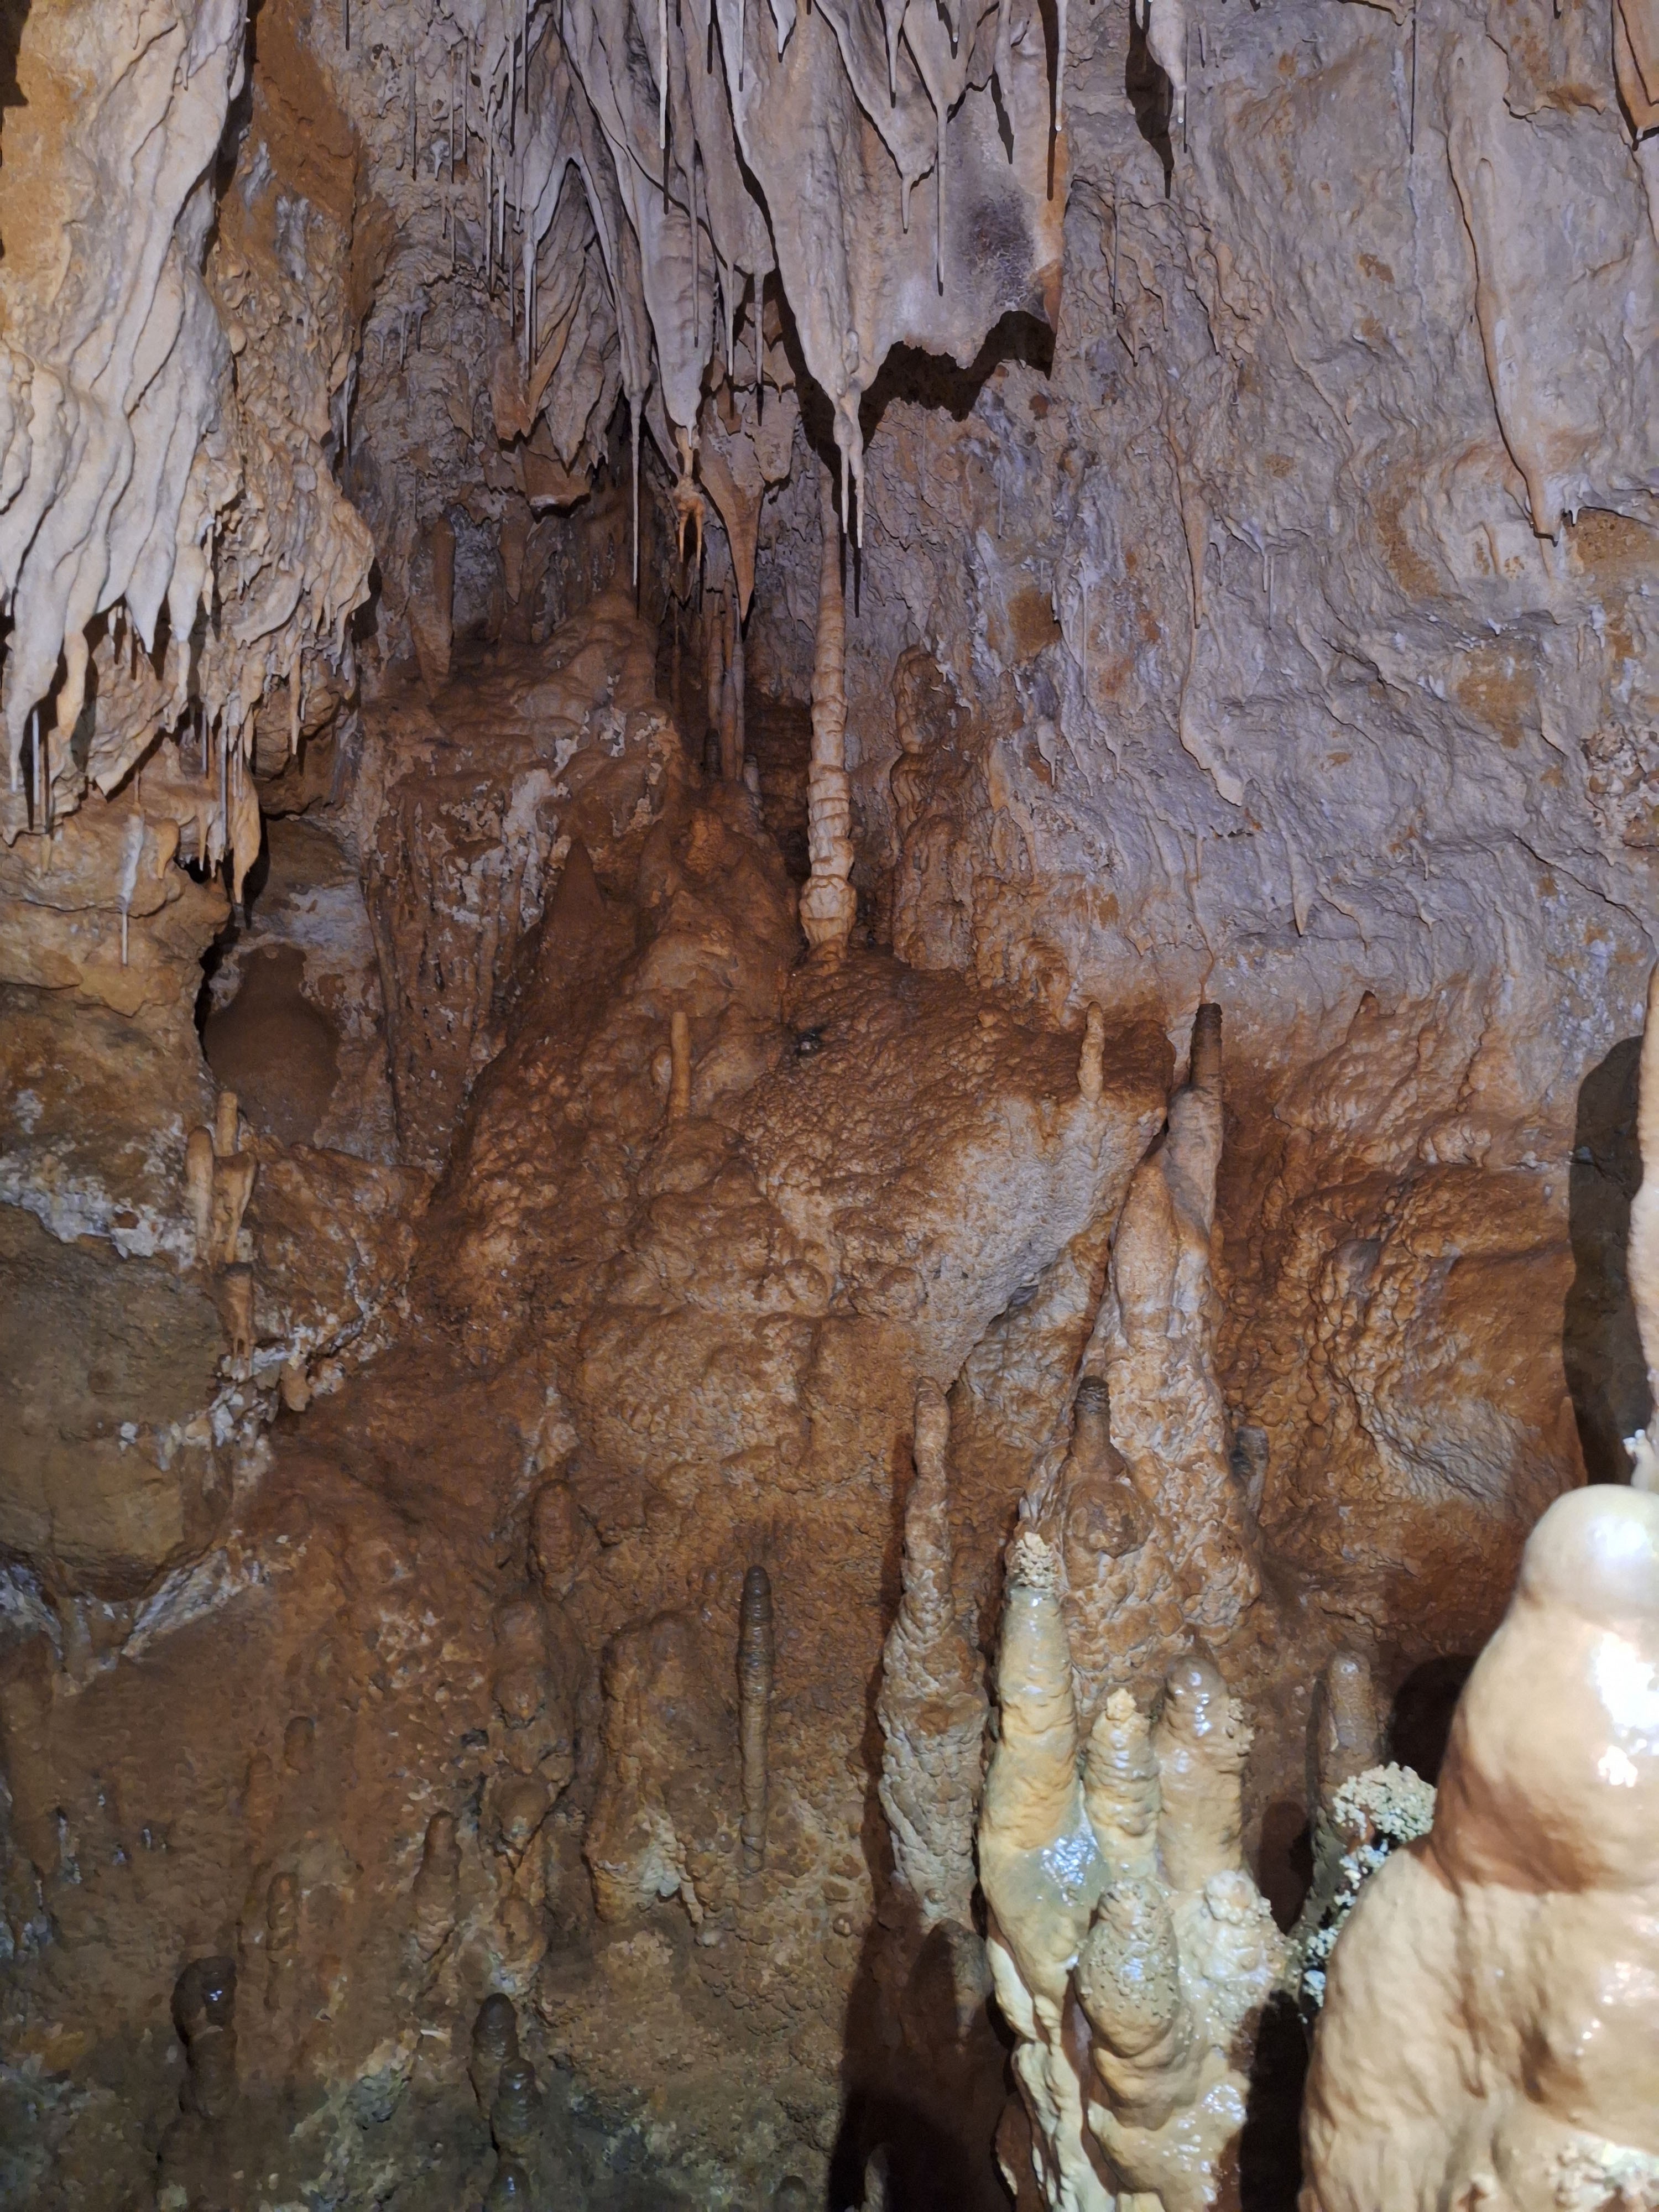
(828, 1105)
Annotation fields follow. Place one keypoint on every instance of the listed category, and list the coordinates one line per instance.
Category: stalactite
(756, 1658)
(633, 472)
(827, 902)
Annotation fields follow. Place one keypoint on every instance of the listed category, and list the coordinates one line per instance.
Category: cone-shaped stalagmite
(1119, 1893)
(932, 1705)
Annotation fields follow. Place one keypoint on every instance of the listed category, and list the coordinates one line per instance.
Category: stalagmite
(198, 1185)
(494, 2045)
(204, 2013)
(235, 1291)
(932, 1705)
(512, 2114)
(437, 1883)
(1201, 1742)
(1154, 1342)
(1122, 1793)
(1169, 1952)
(1345, 1730)
(1491, 2009)
(282, 1936)
(756, 1656)
(827, 902)
(233, 1172)
(1091, 1062)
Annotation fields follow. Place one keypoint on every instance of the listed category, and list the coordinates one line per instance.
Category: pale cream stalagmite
(1643, 1256)
(1118, 1887)
(1491, 2028)
(828, 902)
(933, 1703)
(1345, 1736)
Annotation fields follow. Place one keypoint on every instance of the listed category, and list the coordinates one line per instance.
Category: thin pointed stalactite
(597, 79)
(662, 77)
(696, 259)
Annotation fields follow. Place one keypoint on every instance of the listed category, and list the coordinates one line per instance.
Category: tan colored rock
(437, 1880)
(931, 1705)
(1488, 2025)
(666, 1816)
(829, 902)
(1171, 1952)
(106, 1479)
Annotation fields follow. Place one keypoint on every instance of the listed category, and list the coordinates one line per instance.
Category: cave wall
(1270, 627)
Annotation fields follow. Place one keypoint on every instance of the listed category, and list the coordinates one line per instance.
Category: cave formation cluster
(827, 1314)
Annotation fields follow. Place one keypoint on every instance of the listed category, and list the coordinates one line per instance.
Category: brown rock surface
(519, 1376)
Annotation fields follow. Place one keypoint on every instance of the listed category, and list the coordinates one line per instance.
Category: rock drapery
(1114, 1876)
(516, 1382)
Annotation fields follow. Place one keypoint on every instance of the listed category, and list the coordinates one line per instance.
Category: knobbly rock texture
(666, 670)
(1115, 1881)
